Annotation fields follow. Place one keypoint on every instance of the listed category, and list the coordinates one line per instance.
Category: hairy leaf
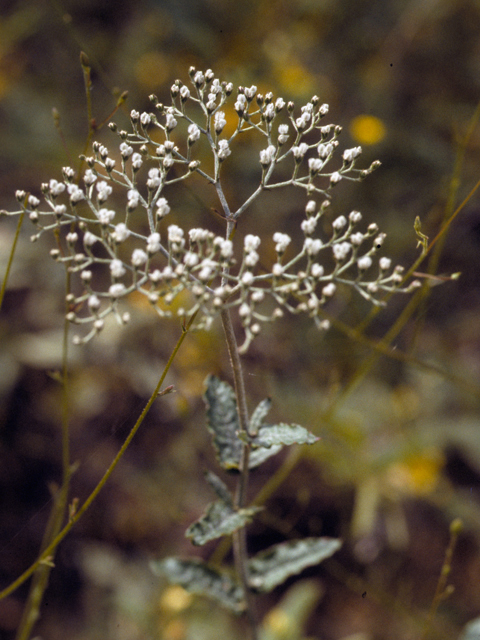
(220, 519)
(219, 487)
(257, 456)
(258, 416)
(222, 422)
(283, 434)
(273, 566)
(196, 576)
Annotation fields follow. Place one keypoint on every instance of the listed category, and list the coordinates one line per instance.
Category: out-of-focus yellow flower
(367, 129)
(418, 474)
(279, 623)
(175, 599)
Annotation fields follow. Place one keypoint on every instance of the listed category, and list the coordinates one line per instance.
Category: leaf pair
(224, 425)
(266, 570)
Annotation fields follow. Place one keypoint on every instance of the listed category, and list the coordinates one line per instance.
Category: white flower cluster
(164, 262)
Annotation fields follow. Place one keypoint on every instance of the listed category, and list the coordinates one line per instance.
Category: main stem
(240, 536)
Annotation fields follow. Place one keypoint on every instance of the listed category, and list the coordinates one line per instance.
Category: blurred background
(399, 457)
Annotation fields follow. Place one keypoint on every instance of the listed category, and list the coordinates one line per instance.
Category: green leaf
(195, 576)
(219, 487)
(283, 434)
(272, 567)
(258, 416)
(222, 422)
(220, 519)
(257, 456)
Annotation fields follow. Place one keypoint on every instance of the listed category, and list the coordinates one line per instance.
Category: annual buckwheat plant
(114, 238)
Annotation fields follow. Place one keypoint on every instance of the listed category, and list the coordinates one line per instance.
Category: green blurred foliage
(399, 456)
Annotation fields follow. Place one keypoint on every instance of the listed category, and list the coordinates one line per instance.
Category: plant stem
(240, 536)
(46, 555)
(39, 583)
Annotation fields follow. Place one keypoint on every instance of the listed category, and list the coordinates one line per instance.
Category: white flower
(355, 216)
(93, 303)
(76, 194)
(139, 257)
(258, 296)
(247, 278)
(282, 133)
(199, 78)
(145, 119)
(125, 150)
(329, 289)
(244, 310)
(250, 93)
(86, 275)
(153, 178)
(60, 209)
(106, 216)
(302, 121)
(198, 235)
(282, 241)
(323, 109)
(324, 150)
(300, 151)
(190, 259)
(279, 104)
(134, 115)
(349, 155)
(117, 290)
(153, 243)
(89, 239)
(89, 178)
(251, 242)
(121, 232)
(339, 223)
(385, 264)
(315, 165)
(184, 93)
(193, 133)
(310, 207)
(269, 112)
(251, 258)
(71, 238)
(308, 226)
(311, 246)
(137, 160)
(340, 251)
(175, 234)
(364, 263)
(379, 240)
(219, 121)
(226, 249)
(277, 269)
(56, 188)
(335, 177)
(357, 238)
(171, 123)
(116, 268)
(207, 269)
(267, 156)
(162, 208)
(241, 103)
(223, 149)
(133, 198)
(104, 190)
(317, 270)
